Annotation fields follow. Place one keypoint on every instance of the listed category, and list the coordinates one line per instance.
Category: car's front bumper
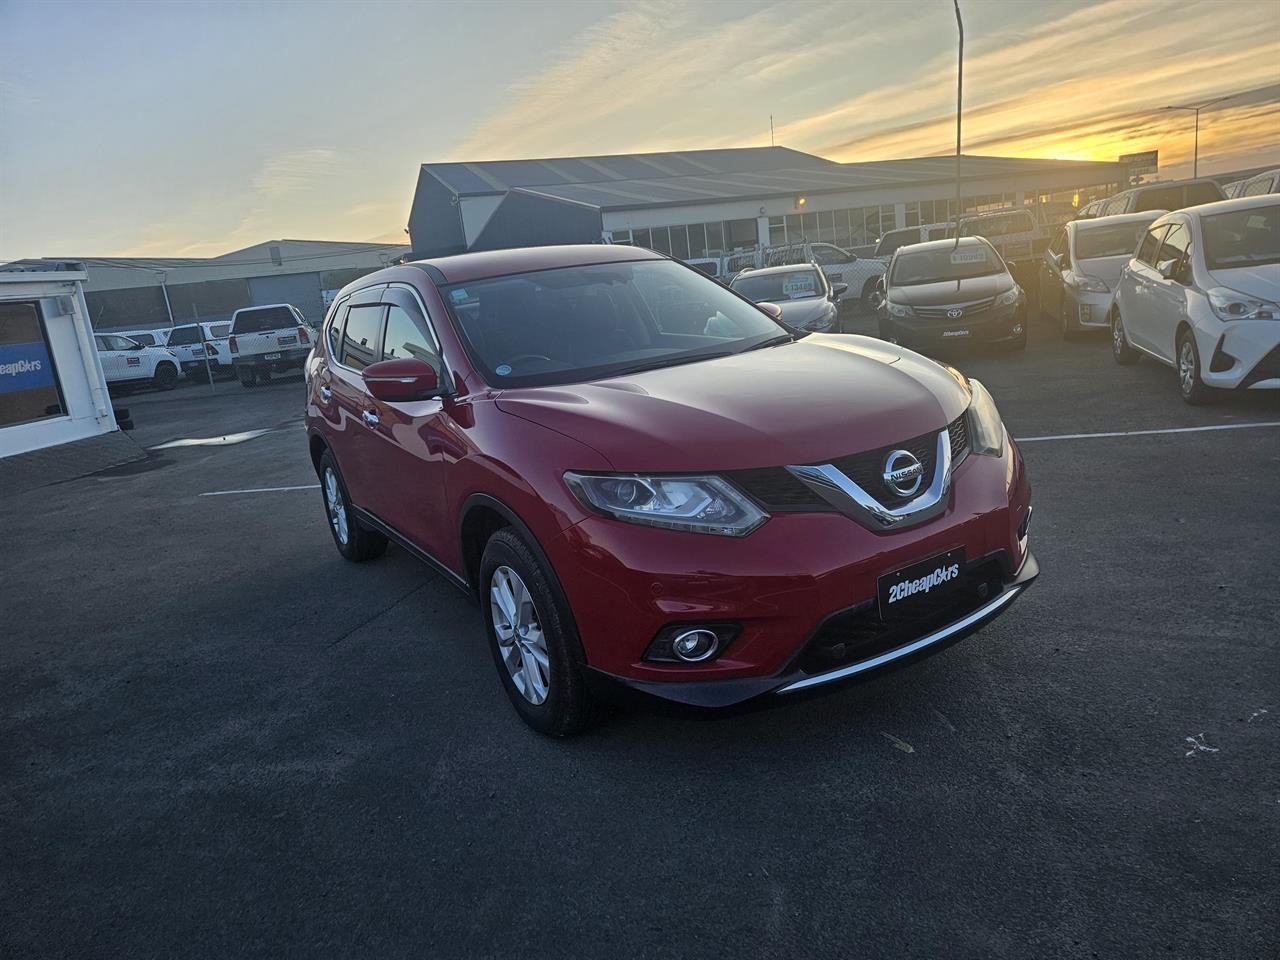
(800, 581)
(997, 325)
(1089, 310)
(1241, 354)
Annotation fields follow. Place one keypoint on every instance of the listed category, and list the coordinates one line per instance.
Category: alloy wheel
(337, 506)
(1187, 367)
(519, 632)
(1117, 335)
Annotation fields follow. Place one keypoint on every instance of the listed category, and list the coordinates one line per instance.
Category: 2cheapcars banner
(25, 366)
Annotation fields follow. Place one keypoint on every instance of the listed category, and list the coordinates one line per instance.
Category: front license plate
(906, 589)
(271, 356)
(958, 332)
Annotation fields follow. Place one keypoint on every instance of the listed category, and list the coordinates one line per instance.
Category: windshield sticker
(502, 369)
(798, 285)
(972, 255)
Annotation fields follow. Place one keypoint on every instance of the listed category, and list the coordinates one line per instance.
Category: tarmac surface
(217, 739)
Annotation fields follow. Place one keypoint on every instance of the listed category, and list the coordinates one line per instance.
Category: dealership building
(697, 203)
(141, 292)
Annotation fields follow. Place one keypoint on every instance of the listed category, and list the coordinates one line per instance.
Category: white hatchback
(1202, 294)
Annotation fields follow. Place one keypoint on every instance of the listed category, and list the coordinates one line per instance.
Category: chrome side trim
(926, 641)
(850, 499)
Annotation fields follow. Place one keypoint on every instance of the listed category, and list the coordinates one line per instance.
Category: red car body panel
(425, 463)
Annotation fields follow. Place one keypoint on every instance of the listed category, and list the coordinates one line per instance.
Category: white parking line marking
(225, 493)
(1147, 433)
(222, 441)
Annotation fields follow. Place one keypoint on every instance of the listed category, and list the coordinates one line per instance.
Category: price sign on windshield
(971, 255)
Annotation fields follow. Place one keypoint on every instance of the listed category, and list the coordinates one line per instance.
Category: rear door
(350, 410)
(1139, 303)
(111, 357)
(1169, 294)
(412, 440)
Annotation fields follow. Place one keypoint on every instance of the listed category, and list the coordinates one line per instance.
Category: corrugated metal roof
(829, 178)
(499, 176)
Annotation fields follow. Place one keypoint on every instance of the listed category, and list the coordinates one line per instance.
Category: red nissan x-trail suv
(654, 486)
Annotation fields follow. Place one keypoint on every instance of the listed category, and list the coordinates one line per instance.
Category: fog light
(1086, 313)
(1017, 329)
(691, 643)
(694, 645)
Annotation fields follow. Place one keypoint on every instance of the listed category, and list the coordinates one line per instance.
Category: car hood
(799, 313)
(807, 401)
(1262, 281)
(945, 292)
(1105, 268)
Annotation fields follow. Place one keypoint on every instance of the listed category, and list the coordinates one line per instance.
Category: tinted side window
(146, 339)
(1175, 244)
(1257, 188)
(335, 331)
(360, 337)
(219, 330)
(1150, 244)
(184, 336)
(268, 318)
(101, 342)
(405, 338)
(1198, 193)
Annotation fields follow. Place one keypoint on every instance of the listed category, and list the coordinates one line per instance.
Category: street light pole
(959, 102)
(1196, 108)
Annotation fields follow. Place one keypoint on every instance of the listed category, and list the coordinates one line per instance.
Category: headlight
(1009, 297)
(1230, 305)
(1088, 284)
(699, 504)
(897, 309)
(986, 430)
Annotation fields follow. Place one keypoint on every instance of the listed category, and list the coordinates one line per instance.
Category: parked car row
(257, 342)
(1255, 186)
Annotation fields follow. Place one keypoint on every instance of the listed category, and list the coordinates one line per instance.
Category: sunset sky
(189, 129)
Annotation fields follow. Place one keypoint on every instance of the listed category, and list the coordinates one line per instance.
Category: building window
(680, 242)
(29, 388)
(715, 236)
(621, 236)
(742, 233)
(641, 238)
(777, 231)
(697, 240)
(661, 237)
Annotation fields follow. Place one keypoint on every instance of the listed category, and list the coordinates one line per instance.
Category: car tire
(552, 696)
(870, 297)
(165, 377)
(248, 377)
(354, 542)
(1121, 352)
(1191, 387)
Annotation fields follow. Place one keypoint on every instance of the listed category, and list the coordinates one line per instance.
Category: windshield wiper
(779, 339)
(659, 363)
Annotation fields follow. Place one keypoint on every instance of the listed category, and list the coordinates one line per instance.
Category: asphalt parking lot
(218, 739)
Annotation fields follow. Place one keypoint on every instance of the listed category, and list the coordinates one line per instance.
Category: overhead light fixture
(801, 201)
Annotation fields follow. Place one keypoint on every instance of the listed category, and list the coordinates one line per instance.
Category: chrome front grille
(967, 310)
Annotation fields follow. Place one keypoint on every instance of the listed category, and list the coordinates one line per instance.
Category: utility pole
(959, 104)
(1196, 108)
(771, 129)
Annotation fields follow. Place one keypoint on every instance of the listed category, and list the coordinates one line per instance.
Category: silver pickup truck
(274, 338)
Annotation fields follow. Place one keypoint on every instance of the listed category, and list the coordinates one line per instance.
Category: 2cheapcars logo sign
(908, 588)
(25, 366)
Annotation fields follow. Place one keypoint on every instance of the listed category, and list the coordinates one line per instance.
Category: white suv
(128, 364)
(274, 338)
(1202, 294)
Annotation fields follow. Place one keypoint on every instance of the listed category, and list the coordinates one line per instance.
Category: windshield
(894, 239)
(1242, 238)
(777, 287)
(946, 263)
(584, 323)
(1116, 240)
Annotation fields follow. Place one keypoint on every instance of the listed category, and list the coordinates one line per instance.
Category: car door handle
(325, 393)
(369, 417)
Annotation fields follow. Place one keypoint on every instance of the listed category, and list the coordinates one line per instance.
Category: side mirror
(838, 290)
(772, 309)
(402, 380)
(1055, 258)
(1168, 269)
(880, 285)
